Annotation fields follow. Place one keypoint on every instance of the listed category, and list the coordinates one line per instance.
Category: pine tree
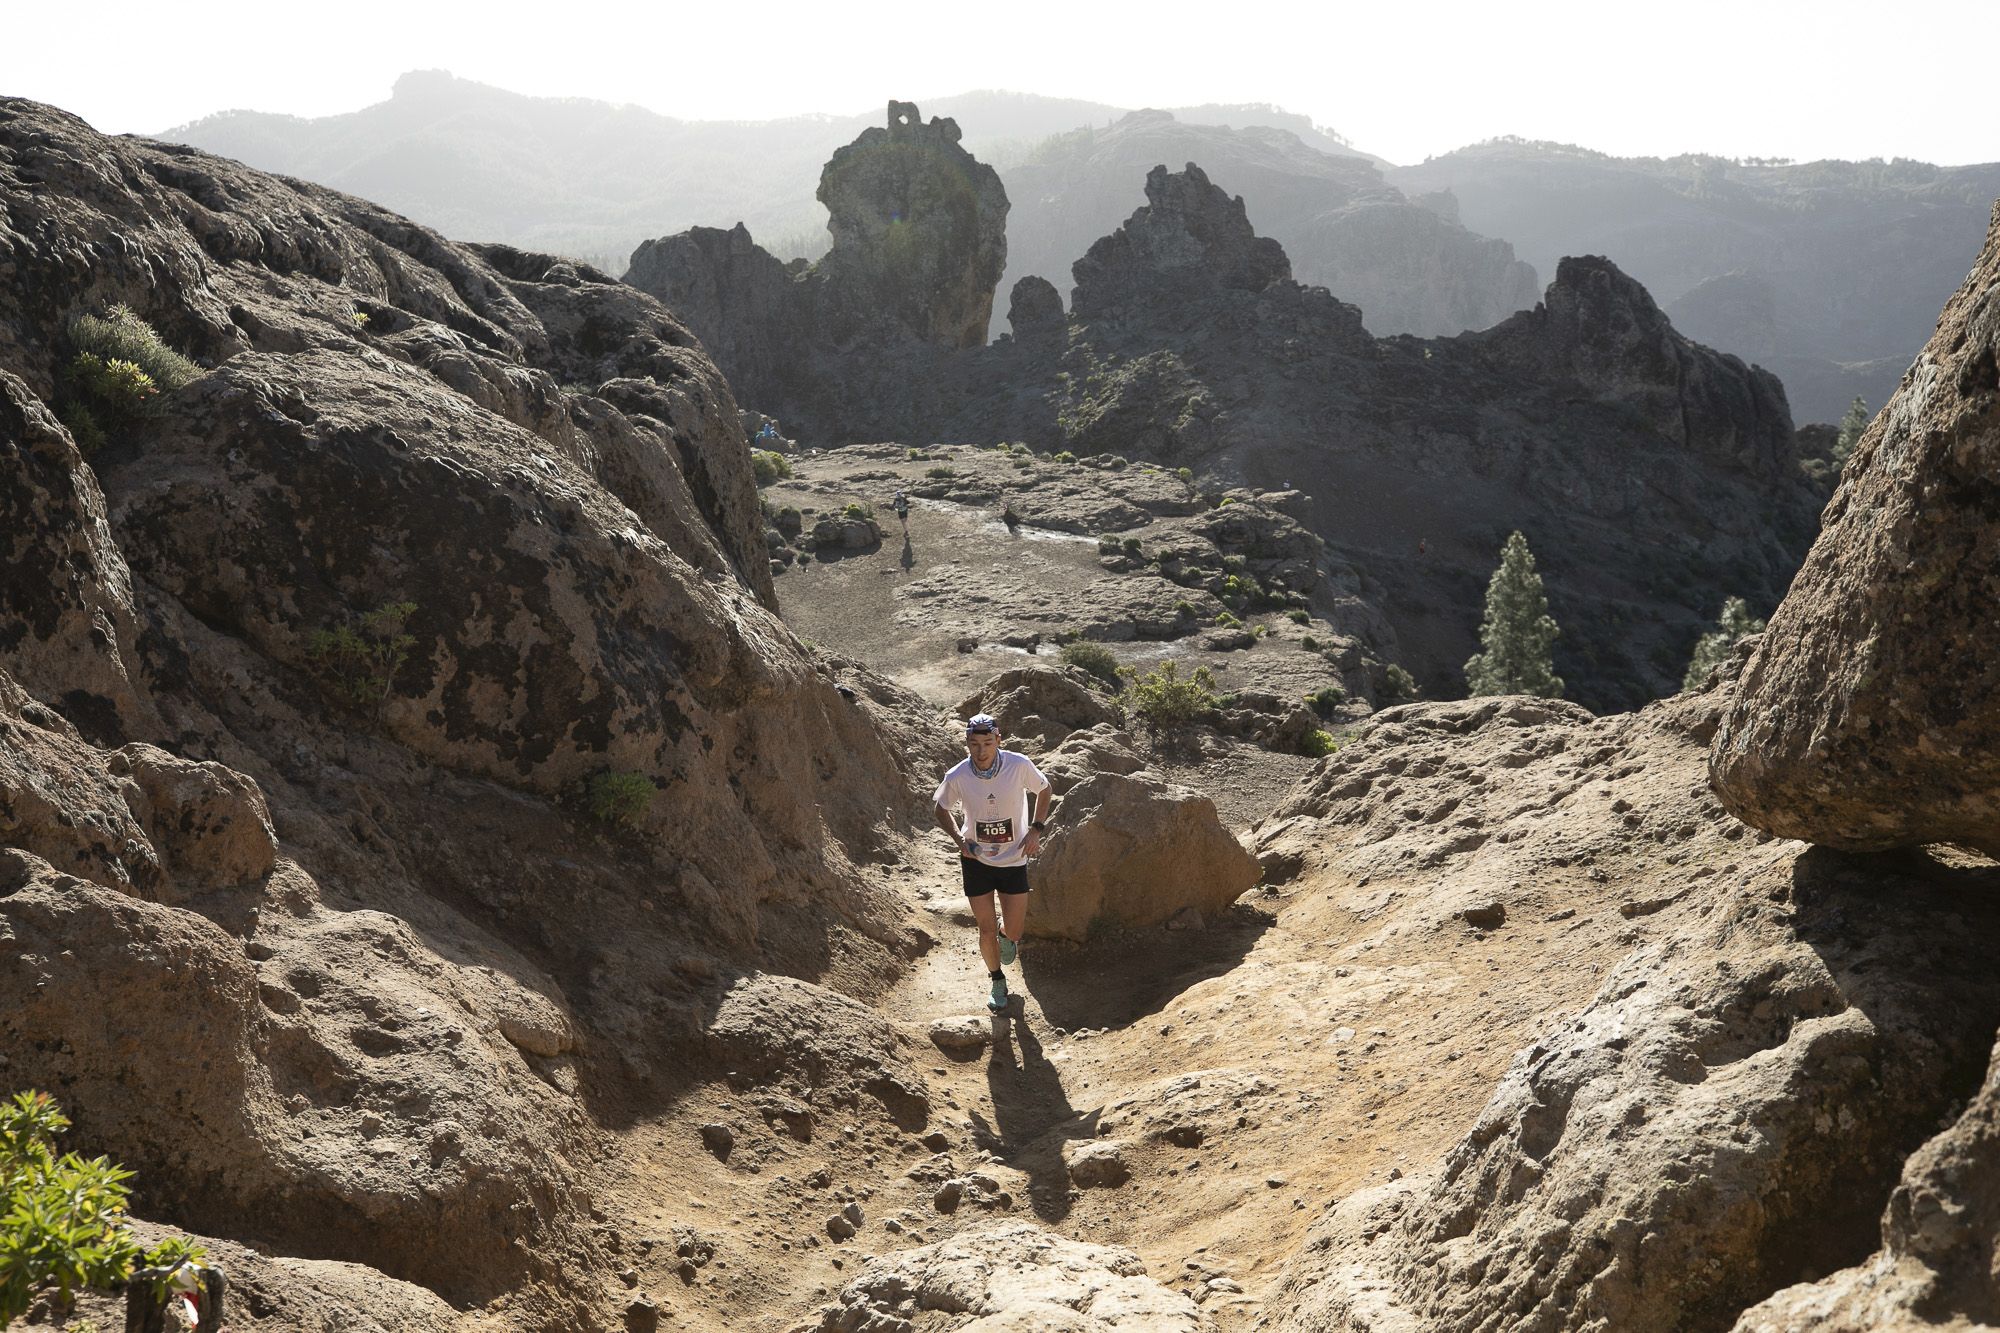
(1851, 426)
(1712, 649)
(1518, 633)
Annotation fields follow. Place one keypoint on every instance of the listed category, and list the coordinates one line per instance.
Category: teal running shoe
(1009, 951)
(996, 999)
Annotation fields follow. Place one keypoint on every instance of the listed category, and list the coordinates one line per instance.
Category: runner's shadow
(1032, 1115)
(909, 555)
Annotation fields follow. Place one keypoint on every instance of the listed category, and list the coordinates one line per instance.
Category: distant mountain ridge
(593, 179)
(1828, 273)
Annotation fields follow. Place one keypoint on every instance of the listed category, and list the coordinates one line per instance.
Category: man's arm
(1033, 844)
(950, 825)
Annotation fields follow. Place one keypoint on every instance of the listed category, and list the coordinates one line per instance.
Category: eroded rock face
(1010, 1279)
(1869, 716)
(331, 938)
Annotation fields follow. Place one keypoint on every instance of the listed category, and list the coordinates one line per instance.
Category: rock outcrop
(1868, 716)
(1013, 1278)
(919, 243)
(399, 748)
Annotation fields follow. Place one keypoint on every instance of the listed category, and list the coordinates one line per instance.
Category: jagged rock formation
(1654, 478)
(1408, 267)
(1868, 715)
(1829, 274)
(316, 928)
(919, 242)
(1727, 1115)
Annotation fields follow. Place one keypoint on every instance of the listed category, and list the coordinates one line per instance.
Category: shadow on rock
(1121, 976)
(1032, 1115)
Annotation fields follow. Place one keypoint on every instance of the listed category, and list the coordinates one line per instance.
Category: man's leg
(1013, 914)
(989, 929)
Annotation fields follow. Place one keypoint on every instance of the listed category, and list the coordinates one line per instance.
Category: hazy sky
(1406, 80)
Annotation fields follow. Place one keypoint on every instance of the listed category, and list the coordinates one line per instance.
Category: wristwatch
(1039, 827)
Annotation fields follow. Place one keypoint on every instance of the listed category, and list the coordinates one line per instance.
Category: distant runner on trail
(902, 507)
(993, 786)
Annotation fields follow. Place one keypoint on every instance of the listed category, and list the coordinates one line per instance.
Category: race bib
(994, 830)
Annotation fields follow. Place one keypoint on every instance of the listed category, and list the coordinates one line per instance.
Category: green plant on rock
(62, 1219)
(1325, 700)
(621, 799)
(1712, 649)
(1065, 457)
(1398, 685)
(1518, 634)
(1298, 617)
(1226, 619)
(941, 473)
(1260, 631)
(1165, 701)
(358, 663)
(1132, 547)
(1183, 608)
(915, 455)
(1852, 426)
(1318, 743)
(1094, 658)
(1186, 474)
(1309, 643)
(120, 335)
(859, 511)
(768, 466)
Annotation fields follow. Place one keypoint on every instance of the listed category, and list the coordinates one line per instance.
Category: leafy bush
(1325, 700)
(915, 455)
(1398, 684)
(1183, 608)
(1298, 617)
(1713, 648)
(768, 465)
(358, 663)
(1259, 631)
(62, 1219)
(619, 798)
(1132, 546)
(1233, 564)
(1017, 448)
(1107, 546)
(120, 335)
(1225, 618)
(1116, 463)
(1852, 427)
(1094, 658)
(1309, 643)
(1186, 474)
(1165, 701)
(858, 511)
(1225, 502)
(941, 473)
(1065, 457)
(1318, 743)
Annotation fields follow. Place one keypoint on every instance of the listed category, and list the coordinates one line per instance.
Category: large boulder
(1133, 850)
(1869, 715)
(1041, 703)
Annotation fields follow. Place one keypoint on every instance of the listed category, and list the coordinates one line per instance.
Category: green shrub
(62, 1219)
(858, 511)
(915, 455)
(619, 798)
(1298, 617)
(1183, 608)
(1518, 635)
(1326, 700)
(1398, 684)
(1259, 631)
(359, 318)
(120, 335)
(768, 465)
(358, 663)
(1132, 547)
(1225, 618)
(1107, 546)
(1165, 701)
(941, 473)
(1065, 457)
(1309, 643)
(83, 425)
(1713, 648)
(1116, 463)
(1233, 564)
(1186, 474)
(1094, 658)
(1225, 502)
(1318, 743)
(1017, 448)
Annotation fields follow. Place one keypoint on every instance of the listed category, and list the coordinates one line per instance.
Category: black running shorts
(982, 879)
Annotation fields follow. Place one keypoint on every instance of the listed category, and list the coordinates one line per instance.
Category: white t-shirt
(996, 809)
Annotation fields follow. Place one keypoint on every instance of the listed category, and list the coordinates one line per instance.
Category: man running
(998, 835)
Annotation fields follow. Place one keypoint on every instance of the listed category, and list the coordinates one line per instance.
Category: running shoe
(1009, 951)
(996, 999)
